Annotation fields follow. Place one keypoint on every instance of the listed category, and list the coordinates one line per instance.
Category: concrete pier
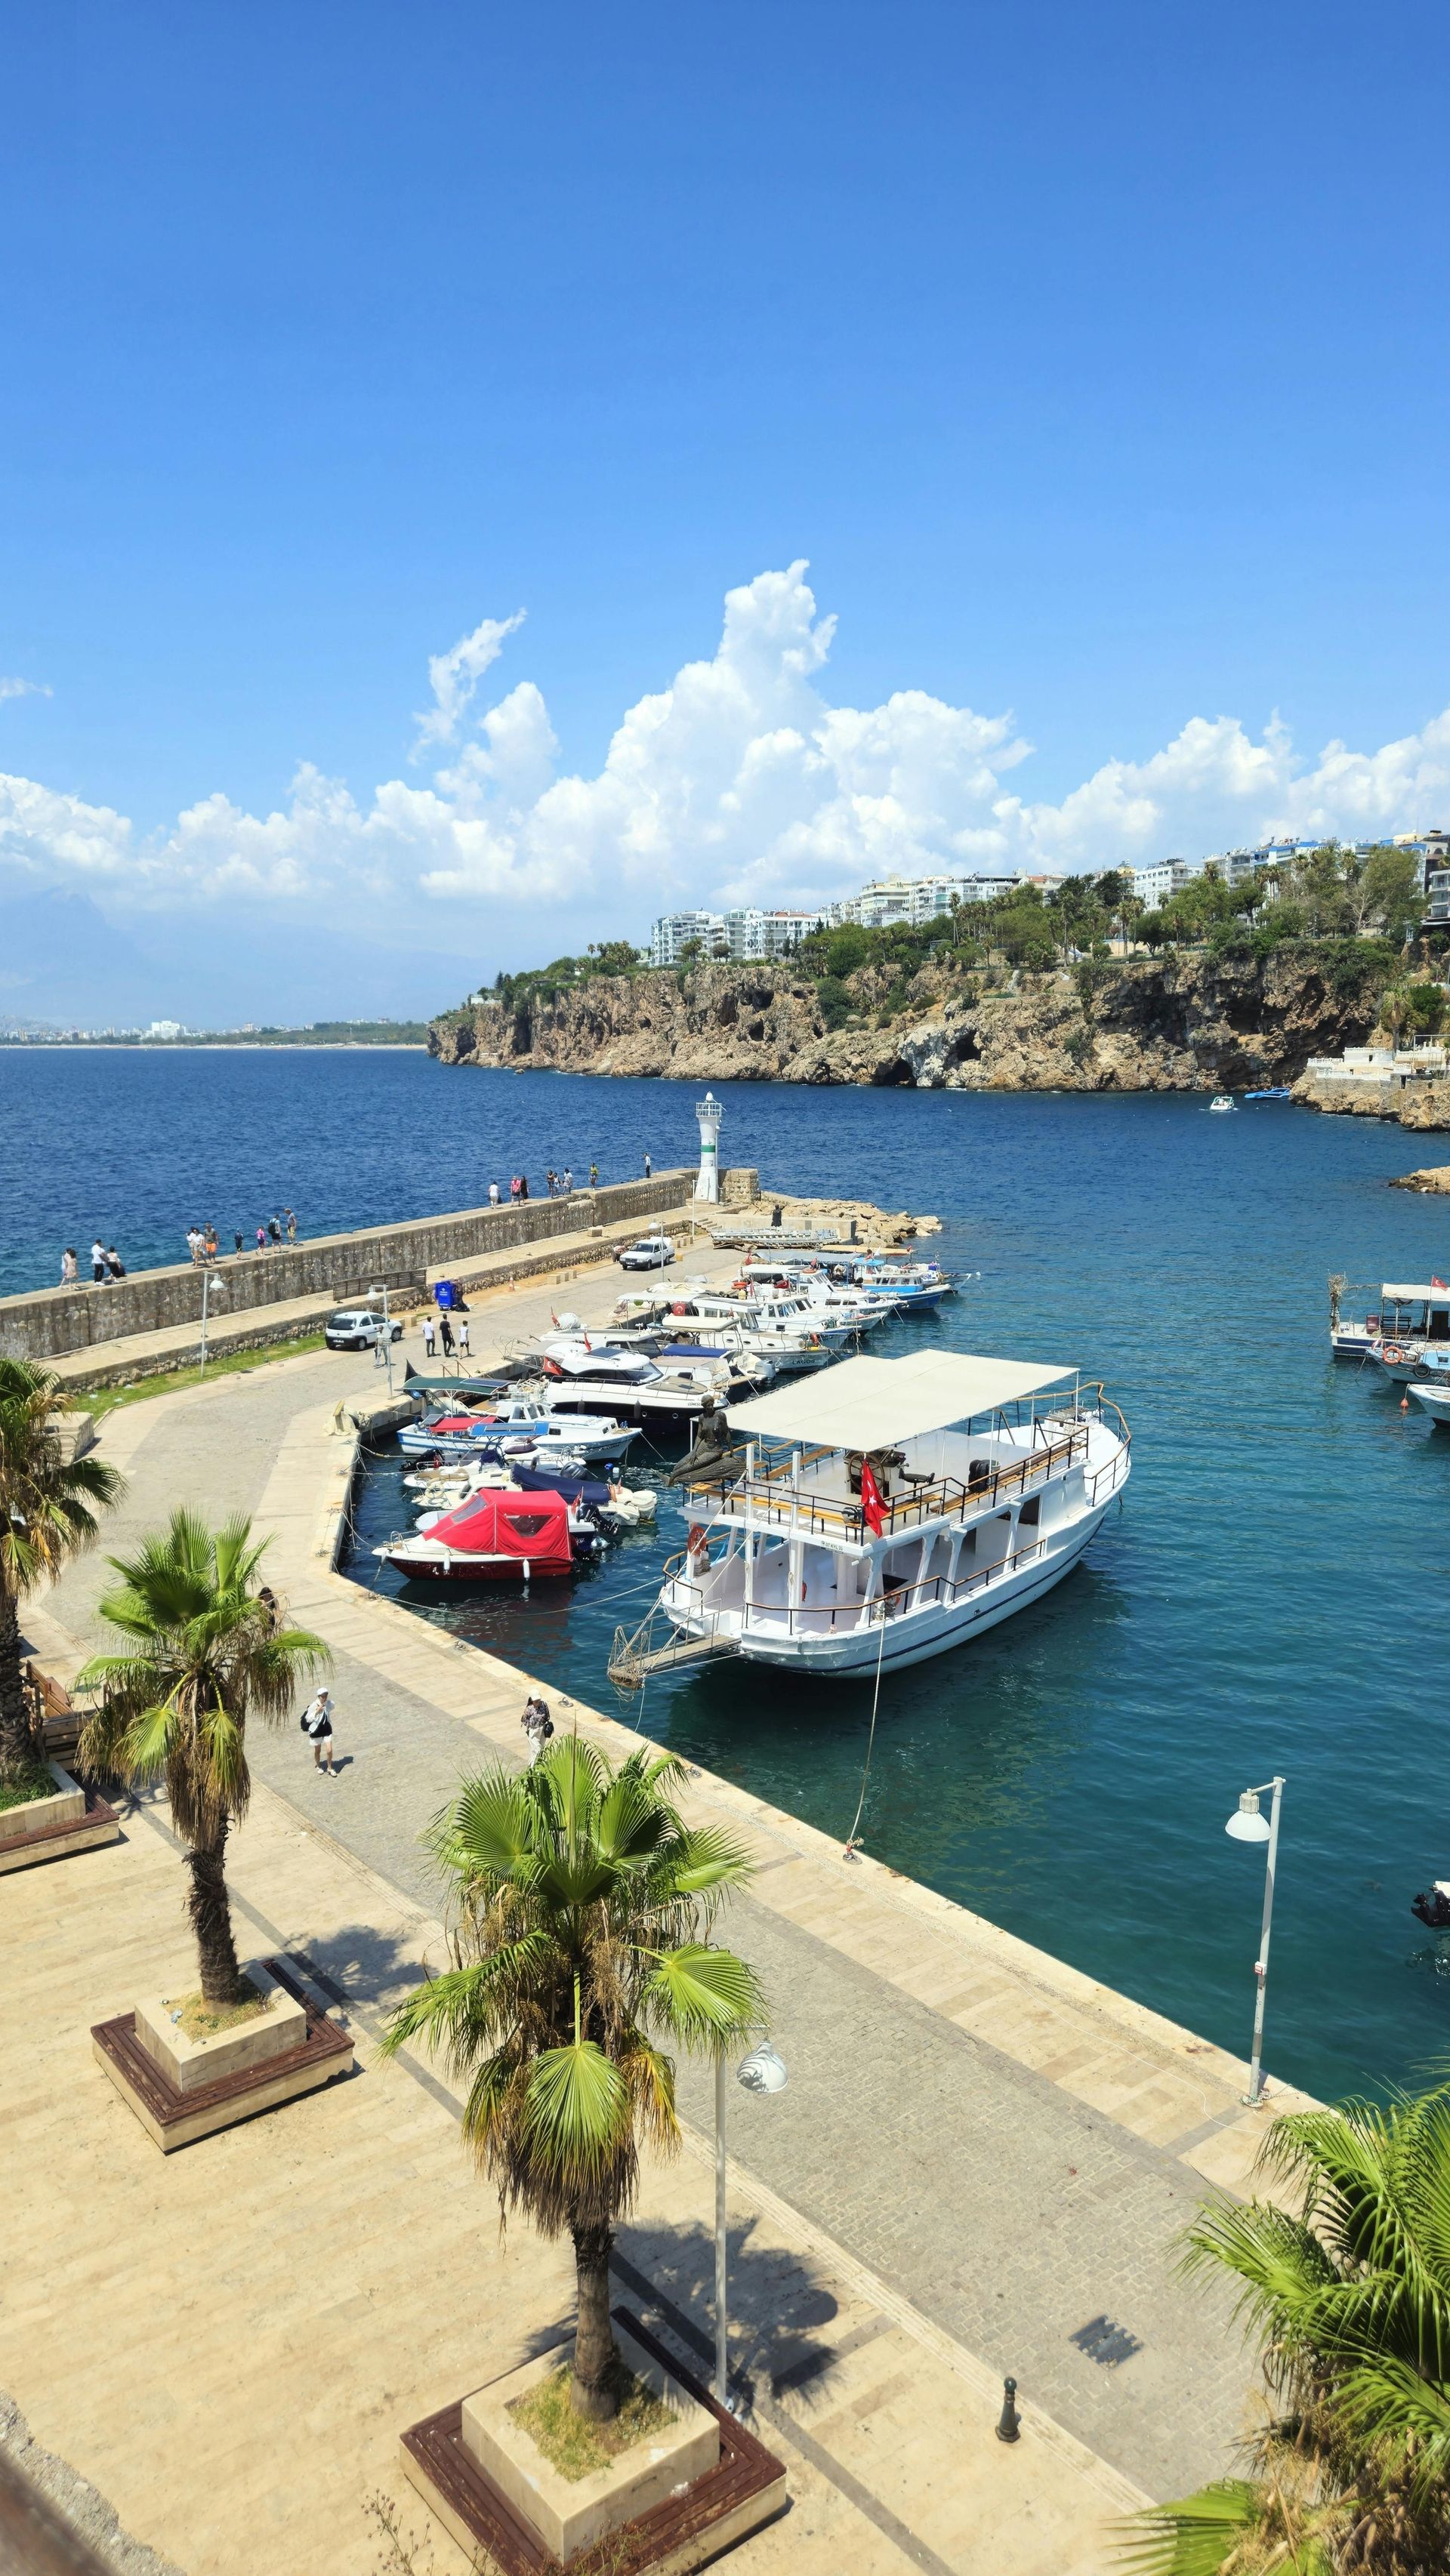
(981, 2151)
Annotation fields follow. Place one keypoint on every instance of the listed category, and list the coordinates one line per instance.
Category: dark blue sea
(1271, 1595)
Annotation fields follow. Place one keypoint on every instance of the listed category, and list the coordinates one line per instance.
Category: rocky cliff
(1171, 1024)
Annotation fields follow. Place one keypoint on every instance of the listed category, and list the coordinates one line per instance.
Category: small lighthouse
(709, 1113)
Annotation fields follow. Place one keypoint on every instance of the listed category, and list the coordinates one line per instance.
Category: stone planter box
(662, 2509)
(74, 1819)
(182, 2089)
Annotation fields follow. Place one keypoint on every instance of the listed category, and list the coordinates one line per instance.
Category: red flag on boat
(873, 1510)
(1438, 1283)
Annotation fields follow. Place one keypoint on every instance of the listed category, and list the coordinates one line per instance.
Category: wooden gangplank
(632, 1663)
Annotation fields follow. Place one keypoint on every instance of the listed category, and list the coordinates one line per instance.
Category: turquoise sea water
(1270, 1597)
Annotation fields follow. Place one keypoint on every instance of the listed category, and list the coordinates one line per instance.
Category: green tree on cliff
(48, 1514)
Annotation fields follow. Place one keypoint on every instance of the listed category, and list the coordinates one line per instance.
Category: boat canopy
(1436, 1294)
(870, 1403)
(502, 1524)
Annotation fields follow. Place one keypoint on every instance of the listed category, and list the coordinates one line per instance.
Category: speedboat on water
(909, 1284)
(885, 1513)
(1222, 1101)
(1271, 1091)
(1432, 1399)
(495, 1536)
(516, 1417)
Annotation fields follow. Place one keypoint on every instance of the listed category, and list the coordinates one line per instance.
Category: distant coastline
(214, 1046)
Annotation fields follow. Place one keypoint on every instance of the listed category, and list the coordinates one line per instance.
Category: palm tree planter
(580, 1904)
(205, 1653)
(48, 1508)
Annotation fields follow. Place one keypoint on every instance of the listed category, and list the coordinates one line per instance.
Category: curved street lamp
(763, 2071)
(1248, 1825)
(212, 1285)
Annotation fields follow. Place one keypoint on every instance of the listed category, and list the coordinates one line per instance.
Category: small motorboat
(1271, 1091)
(495, 1535)
(1433, 1905)
(1221, 1101)
(1432, 1399)
(516, 1418)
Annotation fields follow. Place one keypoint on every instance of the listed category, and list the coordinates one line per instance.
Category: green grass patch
(37, 1780)
(201, 2020)
(101, 1400)
(574, 2446)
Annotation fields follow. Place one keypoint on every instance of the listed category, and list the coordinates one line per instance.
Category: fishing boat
(1414, 1330)
(909, 1284)
(493, 1536)
(1432, 1395)
(883, 1514)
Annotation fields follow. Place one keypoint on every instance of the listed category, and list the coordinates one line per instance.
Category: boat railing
(774, 1501)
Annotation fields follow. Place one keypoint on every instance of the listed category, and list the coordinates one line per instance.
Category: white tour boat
(883, 1513)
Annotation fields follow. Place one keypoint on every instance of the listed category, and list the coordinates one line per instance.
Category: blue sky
(1094, 363)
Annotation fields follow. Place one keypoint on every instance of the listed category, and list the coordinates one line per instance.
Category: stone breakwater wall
(53, 1323)
(1424, 1105)
(1178, 1023)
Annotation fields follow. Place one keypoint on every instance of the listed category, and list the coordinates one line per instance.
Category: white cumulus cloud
(24, 689)
(740, 781)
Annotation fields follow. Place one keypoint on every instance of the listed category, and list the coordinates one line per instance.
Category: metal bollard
(1009, 2422)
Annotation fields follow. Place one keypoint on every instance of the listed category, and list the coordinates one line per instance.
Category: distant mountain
(63, 959)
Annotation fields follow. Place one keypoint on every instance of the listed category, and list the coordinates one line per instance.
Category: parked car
(652, 1252)
(357, 1328)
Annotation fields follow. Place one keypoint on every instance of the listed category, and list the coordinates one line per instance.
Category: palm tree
(205, 1655)
(1353, 2302)
(581, 1901)
(47, 1515)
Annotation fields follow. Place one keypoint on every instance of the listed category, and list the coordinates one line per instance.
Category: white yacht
(883, 1513)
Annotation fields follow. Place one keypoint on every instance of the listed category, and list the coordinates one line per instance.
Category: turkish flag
(873, 1511)
(1438, 1283)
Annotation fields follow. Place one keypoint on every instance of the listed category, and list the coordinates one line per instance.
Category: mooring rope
(851, 1845)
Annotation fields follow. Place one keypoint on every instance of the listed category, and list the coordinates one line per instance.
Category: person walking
(68, 1266)
(648, 1168)
(291, 1225)
(98, 1259)
(537, 1724)
(445, 1335)
(317, 1723)
(194, 1242)
(429, 1336)
(237, 1240)
(594, 1176)
(550, 1179)
(493, 1193)
(274, 1228)
(568, 1182)
(463, 1337)
(523, 1185)
(115, 1266)
(210, 1245)
(261, 1238)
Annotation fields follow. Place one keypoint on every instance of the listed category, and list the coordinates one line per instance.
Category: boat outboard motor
(1433, 1906)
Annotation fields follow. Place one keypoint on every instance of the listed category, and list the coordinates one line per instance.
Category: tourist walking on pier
(317, 1723)
(68, 1266)
(261, 1238)
(291, 1224)
(648, 1168)
(194, 1241)
(493, 1193)
(568, 1182)
(428, 1337)
(98, 1259)
(463, 1337)
(594, 1176)
(115, 1266)
(445, 1335)
(274, 1228)
(537, 1724)
(210, 1245)
(237, 1240)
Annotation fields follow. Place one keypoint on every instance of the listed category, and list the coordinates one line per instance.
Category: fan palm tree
(48, 1514)
(204, 1655)
(1352, 2300)
(581, 1906)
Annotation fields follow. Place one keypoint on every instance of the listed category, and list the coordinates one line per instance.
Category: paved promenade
(980, 2151)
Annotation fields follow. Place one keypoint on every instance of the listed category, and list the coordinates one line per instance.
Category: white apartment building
(915, 900)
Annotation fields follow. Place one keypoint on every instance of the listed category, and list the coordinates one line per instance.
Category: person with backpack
(316, 1722)
(537, 1724)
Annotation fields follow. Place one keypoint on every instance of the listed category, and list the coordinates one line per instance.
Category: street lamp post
(212, 1285)
(1247, 1825)
(761, 2072)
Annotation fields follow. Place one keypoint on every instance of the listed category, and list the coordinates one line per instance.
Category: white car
(652, 1252)
(357, 1328)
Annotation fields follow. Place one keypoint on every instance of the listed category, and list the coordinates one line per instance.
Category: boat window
(1030, 1513)
(528, 1524)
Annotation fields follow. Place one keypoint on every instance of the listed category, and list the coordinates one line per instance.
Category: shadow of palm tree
(780, 2308)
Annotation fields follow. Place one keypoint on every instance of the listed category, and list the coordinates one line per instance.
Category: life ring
(698, 1537)
(1392, 1352)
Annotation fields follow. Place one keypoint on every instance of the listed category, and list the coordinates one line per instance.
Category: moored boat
(493, 1536)
(885, 1513)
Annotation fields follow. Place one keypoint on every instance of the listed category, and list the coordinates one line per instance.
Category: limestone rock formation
(1167, 1024)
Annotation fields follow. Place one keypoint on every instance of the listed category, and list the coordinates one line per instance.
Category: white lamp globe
(762, 2071)
(1246, 1825)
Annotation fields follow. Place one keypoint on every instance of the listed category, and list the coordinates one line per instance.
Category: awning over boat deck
(870, 1403)
(1436, 1294)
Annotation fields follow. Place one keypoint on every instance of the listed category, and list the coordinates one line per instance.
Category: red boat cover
(497, 1524)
